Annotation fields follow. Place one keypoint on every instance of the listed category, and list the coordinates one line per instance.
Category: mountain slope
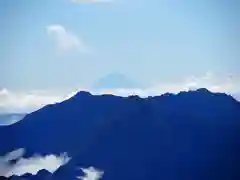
(191, 135)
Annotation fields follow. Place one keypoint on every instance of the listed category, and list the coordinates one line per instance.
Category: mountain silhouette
(184, 136)
(115, 81)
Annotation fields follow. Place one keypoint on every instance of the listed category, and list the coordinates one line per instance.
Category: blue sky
(64, 44)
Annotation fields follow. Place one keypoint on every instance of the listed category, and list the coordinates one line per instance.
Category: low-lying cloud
(24, 102)
(91, 173)
(30, 165)
(36, 163)
(30, 101)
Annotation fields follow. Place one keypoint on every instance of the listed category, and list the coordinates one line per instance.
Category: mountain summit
(115, 81)
(184, 136)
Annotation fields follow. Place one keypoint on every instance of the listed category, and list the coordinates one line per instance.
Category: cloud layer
(91, 173)
(31, 165)
(65, 40)
(20, 102)
(30, 101)
(36, 163)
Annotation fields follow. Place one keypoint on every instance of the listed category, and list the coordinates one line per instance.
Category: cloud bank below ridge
(30, 165)
(26, 102)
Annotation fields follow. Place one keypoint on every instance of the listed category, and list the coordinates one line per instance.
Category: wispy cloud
(91, 173)
(30, 165)
(65, 40)
(30, 101)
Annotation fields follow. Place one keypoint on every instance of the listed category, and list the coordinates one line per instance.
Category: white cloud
(91, 1)
(19, 102)
(65, 40)
(5, 166)
(209, 81)
(30, 165)
(30, 101)
(91, 173)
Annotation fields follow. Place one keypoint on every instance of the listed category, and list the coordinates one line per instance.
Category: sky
(63, 45)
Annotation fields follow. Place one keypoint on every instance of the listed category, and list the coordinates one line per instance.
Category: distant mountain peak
(115, 81)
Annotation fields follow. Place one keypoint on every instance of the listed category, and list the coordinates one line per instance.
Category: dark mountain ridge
(184, 136)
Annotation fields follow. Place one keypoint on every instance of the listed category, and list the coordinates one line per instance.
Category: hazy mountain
(115, 81)
(10, 118)
(190, 135)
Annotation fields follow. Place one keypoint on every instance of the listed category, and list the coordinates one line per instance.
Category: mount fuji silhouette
(115, 81)
(191, 135)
